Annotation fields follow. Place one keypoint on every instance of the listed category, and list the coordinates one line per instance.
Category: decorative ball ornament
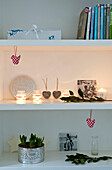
(14, 57)
(89, 121)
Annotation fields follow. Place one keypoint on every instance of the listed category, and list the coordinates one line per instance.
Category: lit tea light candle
(101, 93)
(21, 95)
(21, 101)
(65, 93)
(37, 95)
(37, 101)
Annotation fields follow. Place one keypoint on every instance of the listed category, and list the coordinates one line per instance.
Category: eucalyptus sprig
(82, 159)
(82, 97)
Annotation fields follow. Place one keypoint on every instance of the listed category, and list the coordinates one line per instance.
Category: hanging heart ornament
(14, 58)
(89, 121)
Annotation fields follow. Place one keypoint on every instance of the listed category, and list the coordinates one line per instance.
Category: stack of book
(95, 22)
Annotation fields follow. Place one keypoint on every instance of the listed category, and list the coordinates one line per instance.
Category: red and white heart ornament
(15, 58)
(89, 121)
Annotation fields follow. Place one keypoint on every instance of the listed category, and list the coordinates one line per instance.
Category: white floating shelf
(56, 42)
(54, 160)
(58, 45)
(54, 105)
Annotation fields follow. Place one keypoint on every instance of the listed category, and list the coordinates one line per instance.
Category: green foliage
(34, 141)
(71, 92)
(80, 93)
(82, 98)
(33, 137)
(23, 140)
(31, 143)
(39, 141)
(82, 159)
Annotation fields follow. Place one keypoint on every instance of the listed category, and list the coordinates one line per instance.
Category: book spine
(96, 23)
(108, 20)
(85, 21)
(79, 27)
(102, 17)
(92, 23)
(81, 34)
(105, 22)
(88, 24)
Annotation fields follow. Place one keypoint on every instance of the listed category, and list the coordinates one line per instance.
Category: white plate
(22, 83)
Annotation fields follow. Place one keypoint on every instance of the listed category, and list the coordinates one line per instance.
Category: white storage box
(33, 34)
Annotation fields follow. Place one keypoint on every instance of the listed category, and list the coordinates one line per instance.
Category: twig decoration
(91, 113)
(15, 50)
(57, 85)
(45, 83)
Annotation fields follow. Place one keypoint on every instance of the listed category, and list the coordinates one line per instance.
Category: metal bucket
(30, 155)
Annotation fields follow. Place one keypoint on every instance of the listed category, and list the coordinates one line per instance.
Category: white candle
(65, 93)
(37, 95)
(101, 93)
(21, 95)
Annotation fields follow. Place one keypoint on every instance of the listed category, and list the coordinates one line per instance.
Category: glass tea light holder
(36, 96)
(65, 93)
(94, 145)
(21, 97)
(102, 93)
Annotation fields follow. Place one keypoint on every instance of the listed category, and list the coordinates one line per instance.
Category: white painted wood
(83, 62)
(1, 134)
(49, 123)
(55, 117)
(55, 43)
(54, 105)
(1, 98)
(1, 74)
(53, 161)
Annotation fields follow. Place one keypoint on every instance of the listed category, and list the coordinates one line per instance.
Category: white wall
(67, 66)
(1, 135)
(50, 123)
(47, 14)
(1, 74)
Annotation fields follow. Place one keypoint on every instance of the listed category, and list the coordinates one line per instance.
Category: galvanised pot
(30, 155)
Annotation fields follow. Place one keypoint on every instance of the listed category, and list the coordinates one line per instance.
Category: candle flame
(102, 90)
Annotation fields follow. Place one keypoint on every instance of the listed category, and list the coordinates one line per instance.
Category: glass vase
(94, 145)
